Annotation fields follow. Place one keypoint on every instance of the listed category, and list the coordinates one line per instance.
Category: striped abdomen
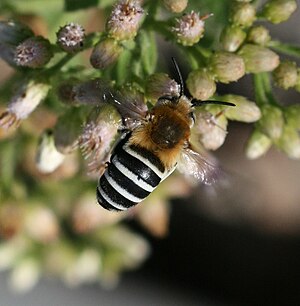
(132, 174)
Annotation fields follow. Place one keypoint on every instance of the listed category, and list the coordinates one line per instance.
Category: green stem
(288, 49)
(90, 41)
(57, 67)
(263, 89)
(260, 95)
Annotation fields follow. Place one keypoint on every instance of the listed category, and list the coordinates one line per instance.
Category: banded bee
(155, 143)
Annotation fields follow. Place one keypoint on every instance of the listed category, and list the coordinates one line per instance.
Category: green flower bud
(259, 35)
(175, 6)
(70, 37)
(189, 28)
(257, 145)
(105, 53)
(258, 59)
(271, 122)
(292, 115)
(161, 85)
(67, 130)
(243, 14)
(289, 142)
(125, 19)
(297, 86)
(212, 130)
(232, 38)
(201, 84)
(34, 52)
(277, 11)
(48, 158)
(245, 110)
(227, 67)
(285, 75)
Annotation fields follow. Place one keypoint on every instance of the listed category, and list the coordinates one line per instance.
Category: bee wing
(130, 106)
(197, 167)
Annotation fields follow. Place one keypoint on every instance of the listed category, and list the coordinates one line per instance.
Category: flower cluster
(121, 26)
(62, 99)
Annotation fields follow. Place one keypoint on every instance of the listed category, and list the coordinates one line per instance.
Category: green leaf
(73, 5)
(123, 68)
(148, 51)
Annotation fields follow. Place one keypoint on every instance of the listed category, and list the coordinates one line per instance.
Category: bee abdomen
(130, 177)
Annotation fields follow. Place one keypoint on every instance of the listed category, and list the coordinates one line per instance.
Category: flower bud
(277, 11)
(86, 216)
(232, 38)
(125, 19)
(285, 75)
(257, 145)
(25, 274)
(292, 115)
(34, 52)
(7, 53)
(243, 14)
(189, 28)
(41, 224)
(297, 86)
(259, 35)
(105, 53)
(244, 111)
(48, 158)
(258, 59)
(13, 32)
(70, 37)
(212, 130)
(92, 92)
(65, 92)
(98, 134)
(23, 103)
(84, 269)
(10, 251)
(67, 130)
(271, 122)
(201, 84)
(289, 142)
(11, 220)
(175, 6)
(161, 85)
(227, 67)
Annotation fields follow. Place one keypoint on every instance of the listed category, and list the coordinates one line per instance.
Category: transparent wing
(130, 105)
(198, 167)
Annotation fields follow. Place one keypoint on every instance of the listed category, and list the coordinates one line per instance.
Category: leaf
(73, 5)
(123, 68)
(148, 51)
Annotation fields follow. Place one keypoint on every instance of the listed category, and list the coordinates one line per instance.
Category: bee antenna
(179, 76)
(200, 103)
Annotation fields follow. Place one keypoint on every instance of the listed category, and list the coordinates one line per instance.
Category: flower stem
(288, 49)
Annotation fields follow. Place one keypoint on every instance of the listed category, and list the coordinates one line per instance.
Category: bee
(156, 142)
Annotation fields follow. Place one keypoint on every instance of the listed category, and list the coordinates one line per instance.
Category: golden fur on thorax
(166, 131)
